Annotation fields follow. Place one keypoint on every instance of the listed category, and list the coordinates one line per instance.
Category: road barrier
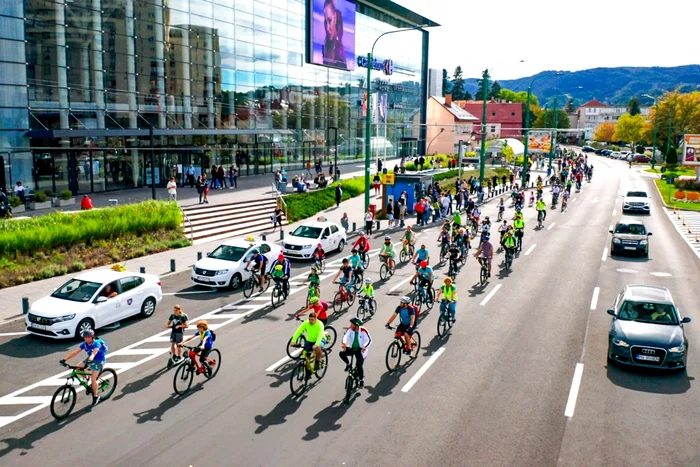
(25, 305)
(172, 265)
(142, 270)
(199, 255)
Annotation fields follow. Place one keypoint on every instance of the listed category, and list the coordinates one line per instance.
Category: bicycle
(453, 269)
(304, 370)
(364, 260)
(500, 214)
(311, 293)
(358, 275)
(352, 381)
(540, 219)
(519, 239)
(182, 381)
(330, 335)
(445, 321)
(363, 308)
(407, 252)
(509, 258)
(253, 281)
(397, 347)
(65, 396)
(278, 294)
(385, 272)
(484, 273)
(343, 295)
(444, 250)
(421, 295)
(320, 264)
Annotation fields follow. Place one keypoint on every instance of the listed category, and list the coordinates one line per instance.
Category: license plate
(203, 279)
(649, 358)
(630, 248)
(40, 326)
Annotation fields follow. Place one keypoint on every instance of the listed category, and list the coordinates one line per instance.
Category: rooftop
(458, 112)
(593, 103)
(650, 293)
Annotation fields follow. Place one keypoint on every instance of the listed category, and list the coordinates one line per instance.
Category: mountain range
(608, 85)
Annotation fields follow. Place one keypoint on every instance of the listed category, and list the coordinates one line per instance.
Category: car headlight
(620, 342)
(63, 318)
(643, 242)
(221, 273)
(677, 349)
(616, 240)
(307, 247)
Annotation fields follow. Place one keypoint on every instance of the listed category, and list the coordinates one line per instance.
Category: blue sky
(568, 35)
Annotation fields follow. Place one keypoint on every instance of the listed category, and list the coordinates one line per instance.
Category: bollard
(172, 265)
(199, 255)
(142, 270)
(264, 237)
(378, 225)
(25, 305)
(354, 226)
(281, 234)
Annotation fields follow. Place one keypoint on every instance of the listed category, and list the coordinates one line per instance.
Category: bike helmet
(87, 333)
(362, 233)
(405, 300)
(278, 267)
(255, 252)
(424, 264)
(368, 280)
(486, 218)
(485, 237)
(314, 269)
(356, 321)
(387, 237)
(280, 257)
(355, 250)
(313, 300)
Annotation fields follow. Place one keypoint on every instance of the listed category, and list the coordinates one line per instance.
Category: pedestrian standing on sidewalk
(172, 189)
(212, 183)
(277, 218)
(380, 165)
(377, 183)
(369, 221)
(345, 221)
(205, 189)
(390, 212)
(190, 175)
(400, 208)
(200, 188)
(338, 194)
(222, 177)
(231, 177)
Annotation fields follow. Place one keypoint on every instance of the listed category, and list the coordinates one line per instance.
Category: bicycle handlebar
(72, 367)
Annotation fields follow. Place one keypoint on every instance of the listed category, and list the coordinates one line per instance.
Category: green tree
(634, 107)
(570, 107)
(446, 85)
(629, 129)
(480, 85)
(506, 95)
(672, 155)
(458, 83)
(494, 90)
(563, 120)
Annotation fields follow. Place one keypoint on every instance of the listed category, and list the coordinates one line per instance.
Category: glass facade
(217, 82)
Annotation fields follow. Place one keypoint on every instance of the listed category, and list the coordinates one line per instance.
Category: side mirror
(324, 237)
(101, 299)
(648, 233)
(686, 320)
(208, 254)
(610, 231)
(611, 312)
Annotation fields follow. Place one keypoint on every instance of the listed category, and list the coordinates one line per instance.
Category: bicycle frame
(192, 355)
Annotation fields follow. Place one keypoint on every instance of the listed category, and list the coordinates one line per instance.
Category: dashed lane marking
(573, 392)
(490, 295)
(552, 225)
(529, 250)
(605, 254)
(407, 387)
(594, 299)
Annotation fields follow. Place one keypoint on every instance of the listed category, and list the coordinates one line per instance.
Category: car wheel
(148, 307)
(82, 326)
(235, 281)
(645, 254)
(341, 246)
(612, 250)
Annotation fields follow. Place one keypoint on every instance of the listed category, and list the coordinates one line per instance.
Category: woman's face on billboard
(329, 19)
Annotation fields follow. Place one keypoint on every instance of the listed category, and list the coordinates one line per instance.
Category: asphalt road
(494, 392)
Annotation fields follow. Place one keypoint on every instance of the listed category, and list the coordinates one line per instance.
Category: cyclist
(367, 291)
(356, 341)
(474, 215)
(177, 323)
(443, 238)
(348, 276)
(286, 268)
(356, 262)
(541, 207)
(455, 254)
(456, 222)
(319, 254)
(569, 183)
(315, 337)
(407, 314)
(485, 226)
(508, 242)
(502, 230)
(314, 280)
(501, 208)
(387, 252)
(206, 342)
(485, 252)
(318, 307)
(519, 225)
(449, 291)
(97, 355)
(424, 274)
(564, 199)
(555, 195)
(259, 264)
(362, 244)
(539, 187)
(420, 256)
(462, 241)
(409, 237)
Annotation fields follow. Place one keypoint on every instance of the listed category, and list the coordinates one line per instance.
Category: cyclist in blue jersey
(97, 355)
(420, 256)
(407, 314)
(424, 274)
(206, 342)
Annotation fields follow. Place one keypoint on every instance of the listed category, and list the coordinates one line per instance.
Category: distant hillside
(609, 85)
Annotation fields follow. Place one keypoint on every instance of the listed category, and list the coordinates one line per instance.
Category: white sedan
(225, 266)
(93, 300)
(303, 241)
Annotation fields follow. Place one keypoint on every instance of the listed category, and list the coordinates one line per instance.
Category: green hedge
(304, 205)
(59, 229)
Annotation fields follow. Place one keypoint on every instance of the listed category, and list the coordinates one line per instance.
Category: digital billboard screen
(332, 33)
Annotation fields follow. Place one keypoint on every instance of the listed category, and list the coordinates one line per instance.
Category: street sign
(388, 179)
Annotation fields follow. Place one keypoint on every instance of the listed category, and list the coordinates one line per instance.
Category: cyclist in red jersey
(362, 243)
(319, 307)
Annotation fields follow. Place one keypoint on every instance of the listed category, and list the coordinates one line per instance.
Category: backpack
(213, 336)
(417, 310)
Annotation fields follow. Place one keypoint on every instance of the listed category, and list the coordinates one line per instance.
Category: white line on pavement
(422, 370)
(491, 294)
(605, 254)
(190, 293)
(282, 361)
(550, 227)
(573, 393)
(529, 250)
(574, 200)
(611, 227)
(614, 212)
(594, 300)
(400, 284)
(10, 334)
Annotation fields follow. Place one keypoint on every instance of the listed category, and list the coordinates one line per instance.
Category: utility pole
(482, 161)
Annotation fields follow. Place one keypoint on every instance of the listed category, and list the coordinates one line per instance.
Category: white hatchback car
(225, 266)
(303, 241)
(85, 303)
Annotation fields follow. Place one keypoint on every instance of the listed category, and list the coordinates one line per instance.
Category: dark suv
(630, 236)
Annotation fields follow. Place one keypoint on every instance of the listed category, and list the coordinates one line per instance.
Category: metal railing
(187, 219)
(277, 194)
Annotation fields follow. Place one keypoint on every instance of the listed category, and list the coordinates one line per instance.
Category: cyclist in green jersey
(387, 252)
(368, 292)
(409, 237)
(315, 337)
(314, 282)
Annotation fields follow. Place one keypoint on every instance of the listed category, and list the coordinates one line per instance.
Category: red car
(641, 158)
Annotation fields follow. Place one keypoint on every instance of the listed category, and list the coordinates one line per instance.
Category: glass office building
(99, 95)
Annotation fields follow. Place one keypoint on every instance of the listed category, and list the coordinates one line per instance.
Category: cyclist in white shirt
(356, 341)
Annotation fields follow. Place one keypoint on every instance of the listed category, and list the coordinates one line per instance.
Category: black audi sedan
(630, 236)
(647, 329)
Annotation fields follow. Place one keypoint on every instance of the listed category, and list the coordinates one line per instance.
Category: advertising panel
(691, 150)
(539, 141)
(332, 33)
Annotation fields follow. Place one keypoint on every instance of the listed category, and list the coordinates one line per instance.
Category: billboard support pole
(526, 166)
(461, 159)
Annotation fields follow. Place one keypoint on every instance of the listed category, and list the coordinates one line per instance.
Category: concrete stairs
(208, 222)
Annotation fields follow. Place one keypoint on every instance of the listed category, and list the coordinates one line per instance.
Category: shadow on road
(326, 420)
(278, 415)
(477, 289)
(649, 380)
(385, 386)
(156, 414)
(29, 346)
(141, 384)
(281, 374)
(435, 343)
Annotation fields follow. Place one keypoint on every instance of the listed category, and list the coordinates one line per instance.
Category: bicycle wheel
(403, 256)
(248, 287)
(337, 302)
(361, 312)
(442, 325)
(106, 383)
(321, 266)
(484, 275)
(63, 401)
(358, 275)
(331, 337)
(509, 261)
(214, 362)
(429, 301)
(365, 261)
(393, 356)
(417, 300)
(276, 296)
(443, 254)
(349, 388)
(411, 251)
(384, 272)
(293, 352)
(297, 382)
(415, 345)
(182, 381)
(323, 366)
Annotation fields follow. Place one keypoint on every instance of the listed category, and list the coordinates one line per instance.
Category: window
(334, 229)
(493, 129)
(130, 283)
(493, 114)
(265, 248)
(512, 114)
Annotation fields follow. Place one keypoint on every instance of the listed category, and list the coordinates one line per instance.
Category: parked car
(647, 329)
(303, 241)
(86, 302)
(588, 149)
(607, 152)
(630, 236)
(637, 201)
(641, 158)
(615, 155)
(225, 266)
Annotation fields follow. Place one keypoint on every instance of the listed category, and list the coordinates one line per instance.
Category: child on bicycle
(502, 230)
(356, 262)
(97, 355)
(387, 252)
(318, 307)
(455, 254)
(462, 240)
(501, 209)
(314, 283)
(319, 254)
(368, 292)
(409, 237)
(277, 273)
(448, 291)
(206, 342)
(444, 236)
(347, 271)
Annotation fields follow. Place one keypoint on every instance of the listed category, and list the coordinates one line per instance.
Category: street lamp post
(368, 116)
(526, 161)
(554, 131)
(482, 158)
(656, 125)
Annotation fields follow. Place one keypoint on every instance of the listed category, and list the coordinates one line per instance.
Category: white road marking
(594, 299)
(10, 334)
(614, 212)
(611, 227)
(529, 250)
(550, 227)
(422, 370)
(400, 284)
(573, 393)
(627, 271)
(661, 274)
(195, 292)
(491, 294)
(574, 200)
(605, 254)
(281, 361)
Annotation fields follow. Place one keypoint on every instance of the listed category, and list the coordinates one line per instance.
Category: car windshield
(307, 232)
(656, 313)
(76, 290)
(637, 194)
(631, 229)
(228, 253)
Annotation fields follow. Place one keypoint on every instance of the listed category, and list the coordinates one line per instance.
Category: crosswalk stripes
(690, 232)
